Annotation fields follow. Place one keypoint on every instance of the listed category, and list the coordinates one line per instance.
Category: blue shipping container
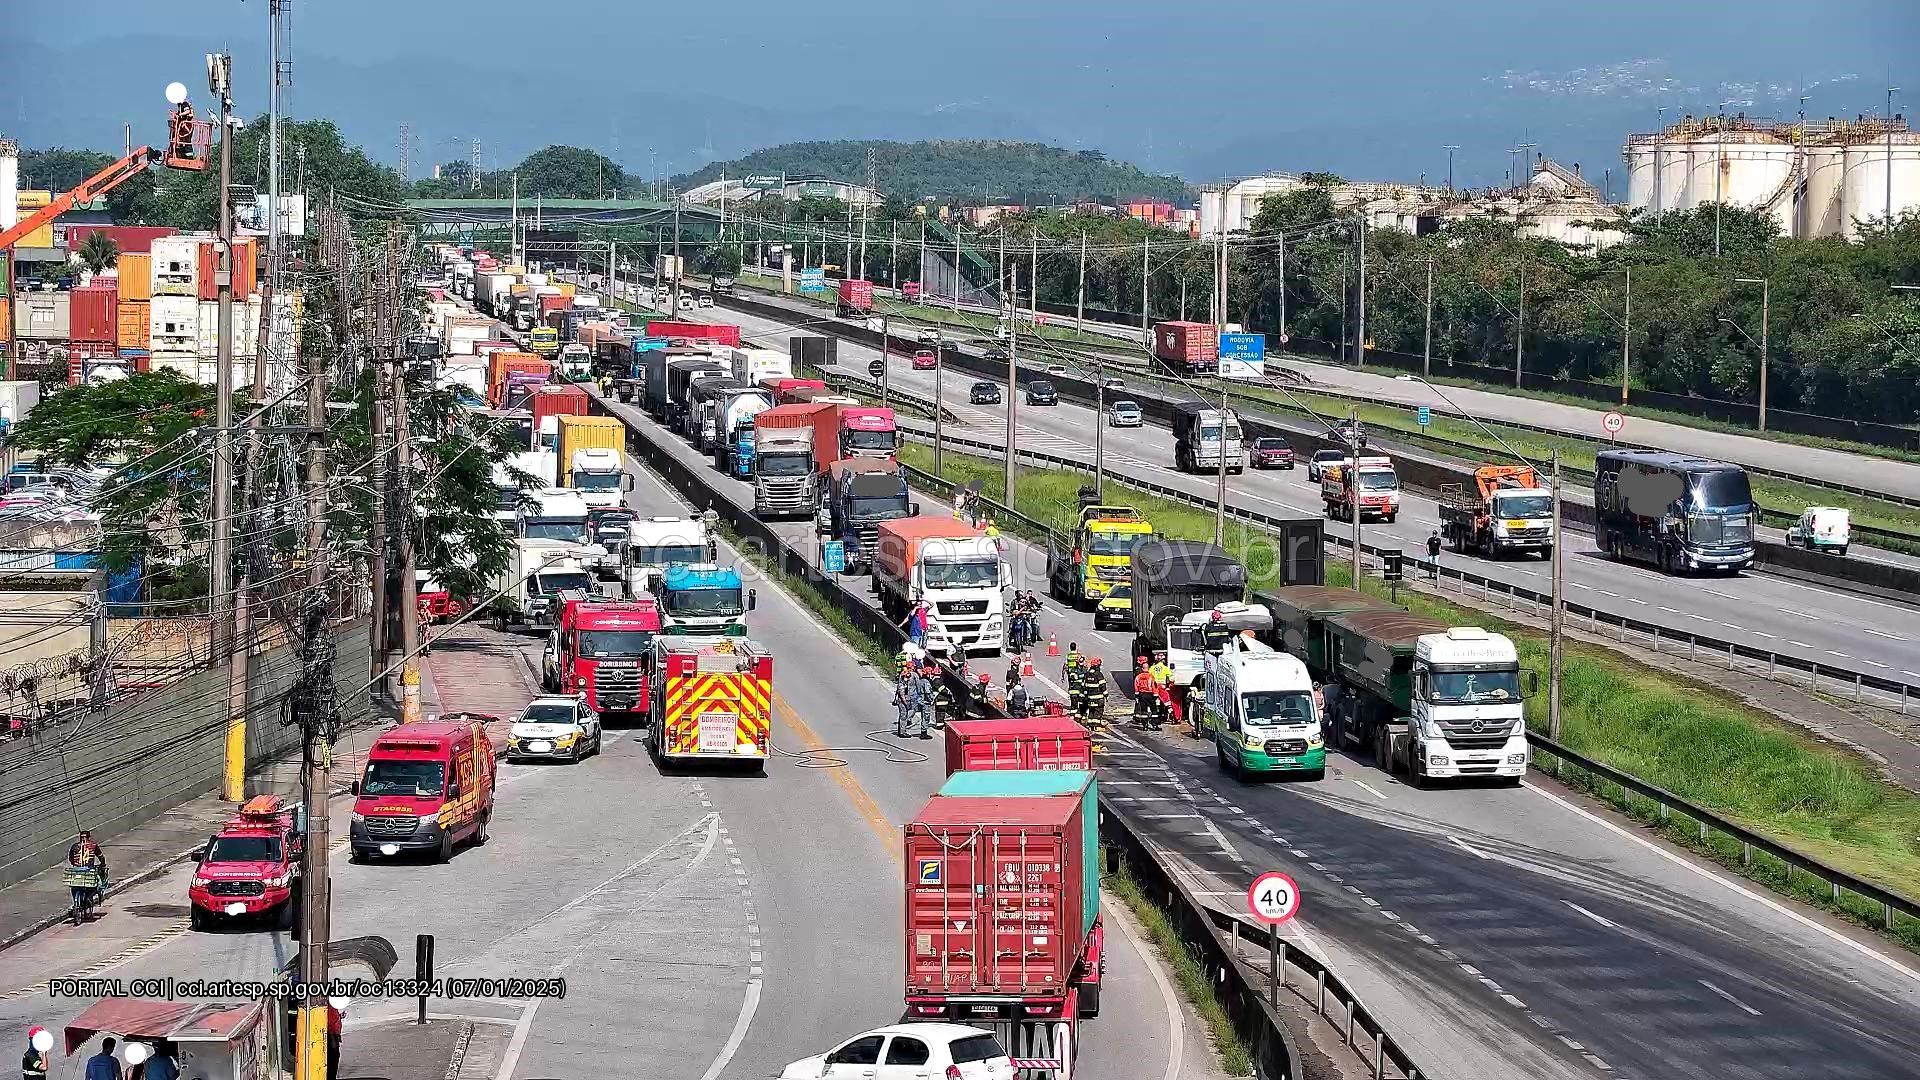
(1045, 783)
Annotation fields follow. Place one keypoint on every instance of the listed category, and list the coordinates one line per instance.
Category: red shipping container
(693, 331)
(1034, 742)
(244, 269)
(94, 314)
(784, 389)
(559, 399)
(994, 897)
(1195, 345)
(129, 239)
(856, 296)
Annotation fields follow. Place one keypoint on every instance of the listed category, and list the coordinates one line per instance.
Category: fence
(115, 768)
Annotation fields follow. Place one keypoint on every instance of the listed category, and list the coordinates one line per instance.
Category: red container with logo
(1033, 742)
(94, 314)
(693, 331)
(244, 269)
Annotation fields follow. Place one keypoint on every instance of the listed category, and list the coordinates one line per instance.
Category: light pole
(1891, 90)
(1450, 148)
(1626, 339)
(1766, 292)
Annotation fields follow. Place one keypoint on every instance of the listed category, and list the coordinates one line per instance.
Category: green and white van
(1261, 713)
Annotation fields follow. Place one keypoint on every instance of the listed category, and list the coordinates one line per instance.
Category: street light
(1554, 622)
(1766, 292)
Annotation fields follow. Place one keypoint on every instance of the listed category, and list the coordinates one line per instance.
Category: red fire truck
(250, 867)
(715, 700)
(603, 649)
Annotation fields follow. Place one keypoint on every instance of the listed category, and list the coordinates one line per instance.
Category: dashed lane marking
(1736, 1002)
(1601, 919)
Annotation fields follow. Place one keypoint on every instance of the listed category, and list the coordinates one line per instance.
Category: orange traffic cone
(1026, 666)
(1053, 645)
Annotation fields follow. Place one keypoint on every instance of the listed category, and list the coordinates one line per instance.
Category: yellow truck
(1100, 555)
(589, 458)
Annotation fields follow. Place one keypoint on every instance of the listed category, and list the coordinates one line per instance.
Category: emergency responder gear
(1093, 693)
(1146, 704)
(977, 695)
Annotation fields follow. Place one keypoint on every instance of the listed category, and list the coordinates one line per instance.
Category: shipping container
(997, 892)
(43, 317)
(504, 368)
(558, 399)
(174, 326)
(133, 325)
(1187, 347)
(855, 297)
(136, 276)
(589, 433)
(6, 319)
(129, 239)
(17, 399)
(244, 269)
(93, 315)
(246, 327)
(176, 266)
(693, 331)
(27, 202)
(1075, 784)
(1034, 742)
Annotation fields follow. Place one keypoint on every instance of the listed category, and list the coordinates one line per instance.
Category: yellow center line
(863, 803)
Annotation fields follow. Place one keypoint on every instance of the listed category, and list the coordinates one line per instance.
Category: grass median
(1686, 737)
(1189, 973)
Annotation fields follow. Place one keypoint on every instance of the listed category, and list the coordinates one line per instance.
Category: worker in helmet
(1146, 705)
(1162, 674)
(1071, 669)
(977, 701)
(1093, 694)
(943, 699)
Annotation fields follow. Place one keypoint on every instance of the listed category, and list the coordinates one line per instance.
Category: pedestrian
(1433, 556)
(916, 624)
(33, 1066)
(103, 1065)
(906, 698)
(164, 1064)
(1145, 702)
(334, 1023)
(1017, 701)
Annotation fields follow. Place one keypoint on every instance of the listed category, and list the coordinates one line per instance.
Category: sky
(1206, 89)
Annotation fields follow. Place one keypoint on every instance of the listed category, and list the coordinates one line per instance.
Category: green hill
(971, 169)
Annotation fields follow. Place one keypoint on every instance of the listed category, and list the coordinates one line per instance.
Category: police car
(554, 727)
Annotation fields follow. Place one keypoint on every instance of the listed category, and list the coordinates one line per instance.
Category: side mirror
(199, 854)
(626, 482)
(753, 597)
(915, 507)
(354, 788)
(1533, 682)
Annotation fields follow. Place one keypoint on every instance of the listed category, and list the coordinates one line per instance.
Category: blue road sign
(1426, 416)
(1243, 356)
(813, 279)
(833, 555)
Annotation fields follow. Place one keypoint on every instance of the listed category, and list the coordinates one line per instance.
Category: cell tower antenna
(406, 141)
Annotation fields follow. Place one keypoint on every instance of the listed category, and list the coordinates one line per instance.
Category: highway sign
(1425, 416)
(1243, 356)
(813, 279)
(1273, 898)
(833, 556)
(876, 368)
(1613, 422)
(763, 183)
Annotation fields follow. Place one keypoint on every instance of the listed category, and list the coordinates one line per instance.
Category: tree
(187, 200)
(98, 251)
(975, 169)
(60, 169)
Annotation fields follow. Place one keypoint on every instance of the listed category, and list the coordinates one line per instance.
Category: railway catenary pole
(1013, 392)
(1557, 625)
(1220, 326)
(224, 606)
(939, 398)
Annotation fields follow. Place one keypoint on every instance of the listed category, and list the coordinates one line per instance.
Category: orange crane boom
(187, 150)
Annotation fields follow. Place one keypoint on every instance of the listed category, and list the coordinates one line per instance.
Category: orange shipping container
(243, 269)
(136, 275)
(135, 323)
(6, 320)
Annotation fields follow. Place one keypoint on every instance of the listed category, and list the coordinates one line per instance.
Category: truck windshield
(868, 440)
(784, 464)
(1265, 707)
(1116, 543)
(869, 508)
(1379, 481)
(572, 530)
(1212, 431)
(596, 481)
(1526, 506)
(615, 642)
(961, 573)
(541, 584)
(243, 849)
(510, 497)
(705, 602)
(417, 778)
(1188, 638)
(1465, 687)
(666, 554)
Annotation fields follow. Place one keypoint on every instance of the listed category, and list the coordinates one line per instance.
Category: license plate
(719, 731)
(540, 747)
(1286, 761)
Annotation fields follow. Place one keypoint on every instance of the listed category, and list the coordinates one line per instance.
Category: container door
(1023, 932)
(946, 949)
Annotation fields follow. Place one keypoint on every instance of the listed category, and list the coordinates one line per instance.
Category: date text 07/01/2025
(172, 988)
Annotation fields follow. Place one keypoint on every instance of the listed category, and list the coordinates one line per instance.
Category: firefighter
(1071, 669)
(1146, 704)
(1162, 684)
(1093, 693)
(1076, 687)
(977, 703)
(943, 699)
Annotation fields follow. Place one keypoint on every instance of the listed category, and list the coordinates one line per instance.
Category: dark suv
(984, 393)
(1041, 392)
(1270, 453)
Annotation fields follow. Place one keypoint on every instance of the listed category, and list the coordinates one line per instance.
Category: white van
(1261, 714)
(1822, 528)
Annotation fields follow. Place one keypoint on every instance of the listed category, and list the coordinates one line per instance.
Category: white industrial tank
(1867, 177)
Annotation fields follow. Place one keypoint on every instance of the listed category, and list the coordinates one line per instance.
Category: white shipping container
(246, 328)
(186, 363)
(17, 399)
(174, 325)
(43, 316)
(176, 266)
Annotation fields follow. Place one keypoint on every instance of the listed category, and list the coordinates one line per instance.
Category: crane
(188, 141)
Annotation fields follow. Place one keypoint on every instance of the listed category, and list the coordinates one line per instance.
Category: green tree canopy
(980, 170)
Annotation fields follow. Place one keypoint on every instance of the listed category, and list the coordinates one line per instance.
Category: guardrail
(1257, 1021)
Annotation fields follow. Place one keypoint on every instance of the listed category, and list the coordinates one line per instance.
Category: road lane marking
(863, 803)
(1731, 626)
(1601, 919)
(1464, 846)
(738, 1036)
(1876, 633)
(1801, 644)
(1838, 653)
(1633, 600)
(1670, 610)
(1370, 790)
(1737, 1003)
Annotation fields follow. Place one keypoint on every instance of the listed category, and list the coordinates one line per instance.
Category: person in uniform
(1093, 693)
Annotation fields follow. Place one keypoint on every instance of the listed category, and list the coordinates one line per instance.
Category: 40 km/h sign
(1273, 898)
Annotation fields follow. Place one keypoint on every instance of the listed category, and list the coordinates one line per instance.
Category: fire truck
(250, 867)
(715, 701)
(599, 649)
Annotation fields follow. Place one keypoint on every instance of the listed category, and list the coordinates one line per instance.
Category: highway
(1766, 611)
(709, 925)
(1857, 470)
(1510, 933)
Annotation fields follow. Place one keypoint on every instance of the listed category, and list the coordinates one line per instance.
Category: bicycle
(88, 885)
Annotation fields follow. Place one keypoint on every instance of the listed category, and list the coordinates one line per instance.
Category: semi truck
(1099, 554)
(1187, 348)
(715, 701)
(854, 298)
(1367, 486)
(753, 366)
(699, 421)
(956, 570)
(865, 431)
(506, 370)
(590, 452)
(733, 453)
(783, 462)
(702, 598)
(1003, 923)
(1197, 437)
(1171, 578)
(858, 495)
(1506, 509)
(1431, 700)
(681, 375)
(600, 650)
(655, 543)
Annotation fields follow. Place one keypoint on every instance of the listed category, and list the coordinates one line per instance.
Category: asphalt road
(709, 925)
(1762, 610)
(1607, 943)
(1857, 470)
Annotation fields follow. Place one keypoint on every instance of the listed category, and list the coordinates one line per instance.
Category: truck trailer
(1172, 578)
(1506, 509)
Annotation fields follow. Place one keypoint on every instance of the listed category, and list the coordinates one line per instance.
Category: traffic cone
(1026, 666)
(1053, 645)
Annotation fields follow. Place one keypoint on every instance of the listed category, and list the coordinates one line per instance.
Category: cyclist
(86, 875)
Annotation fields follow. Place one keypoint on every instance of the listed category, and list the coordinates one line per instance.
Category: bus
(1679, 513)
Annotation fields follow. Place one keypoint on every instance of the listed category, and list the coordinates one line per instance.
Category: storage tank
(1640, 156)
(1823, 209)
(1867, 177)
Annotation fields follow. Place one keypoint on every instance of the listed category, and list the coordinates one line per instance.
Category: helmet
(985, 678)
(1139, 659)
(1094, 662)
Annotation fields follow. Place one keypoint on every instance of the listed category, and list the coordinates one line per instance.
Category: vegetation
(1690, 739)
(1236, 1059)
(557, 172)
(98, 251)
(971, 170)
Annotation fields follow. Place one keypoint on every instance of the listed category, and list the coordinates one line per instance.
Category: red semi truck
(1187, 348)
(602, 649)
(694, 331)
(783, 389)
(856, 298)
(867, 432)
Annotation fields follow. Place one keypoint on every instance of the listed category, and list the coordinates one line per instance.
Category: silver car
(1123, 414)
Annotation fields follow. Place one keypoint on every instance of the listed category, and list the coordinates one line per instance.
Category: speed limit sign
(1613, 422)
(1273, 898)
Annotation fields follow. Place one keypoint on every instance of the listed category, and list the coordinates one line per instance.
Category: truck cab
(250, 867)
(1100, 556)
(733, 443)
(861, 493)
(538, 571)
(576, 361)
(1367, 486)
(783, 466)
(600, 650)
(1199, 635)
(1260, 712)
(868, 432)
(1202, 434)
(599, 476)
(715, 701)
(956, 570)
(702, 598)
(1506, 509)
(543, 341)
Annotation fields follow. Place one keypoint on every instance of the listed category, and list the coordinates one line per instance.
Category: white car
(706, 300)
(1058, 370)
(554, 727)
(688, 303)
(910, 1052)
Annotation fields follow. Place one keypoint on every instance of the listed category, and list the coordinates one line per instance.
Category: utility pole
(1013, 384)
(1520, 326)
(1283, 288)
(1351, 476)
(1080, 305)
(1426, 349)
(1559, 611)
(846, 268)
(920, 273)
(939, 401)
(893, 258)
(513, 246)
(1006, 306)
(959, 278)
(1100, 426)
(679, 268)
(229, 616)
(886, 369)
(1626, 344)
(404, 522)
(1146, 271)
(1360, 321)
(1220, 326)
(1766, 295)
(1033, 280)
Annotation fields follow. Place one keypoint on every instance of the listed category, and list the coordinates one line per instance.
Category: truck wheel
(1220, 756)
(444, 853)
(1383, 750)
(289, 913)
(1089, 1001)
